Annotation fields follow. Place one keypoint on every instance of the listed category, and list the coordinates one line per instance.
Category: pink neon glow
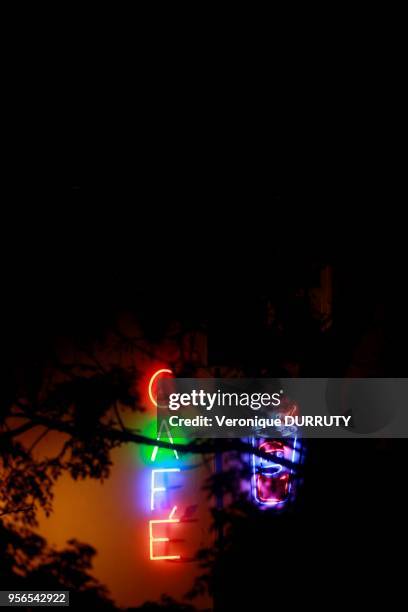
(273, 446)
(270, 487)
(173, 512)
(153, 539)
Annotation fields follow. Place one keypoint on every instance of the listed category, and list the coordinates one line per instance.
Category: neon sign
(153, 540)
(272, 480)
(155, 489)
(153, 380)
(273, 477)
(163, 425)
(160, 529)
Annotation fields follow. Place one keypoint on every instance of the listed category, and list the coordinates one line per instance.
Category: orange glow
(152, 380)
(153, 539)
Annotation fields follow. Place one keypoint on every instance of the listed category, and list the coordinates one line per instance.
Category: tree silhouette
(85, 404)
(86, 396)
(28, 562)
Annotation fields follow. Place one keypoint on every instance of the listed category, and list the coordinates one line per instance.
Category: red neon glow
(152, 381)
(272, 482)
(273, 446)
(153, 539)
(271, 489)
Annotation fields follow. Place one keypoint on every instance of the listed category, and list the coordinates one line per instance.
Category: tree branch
(128, 436)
